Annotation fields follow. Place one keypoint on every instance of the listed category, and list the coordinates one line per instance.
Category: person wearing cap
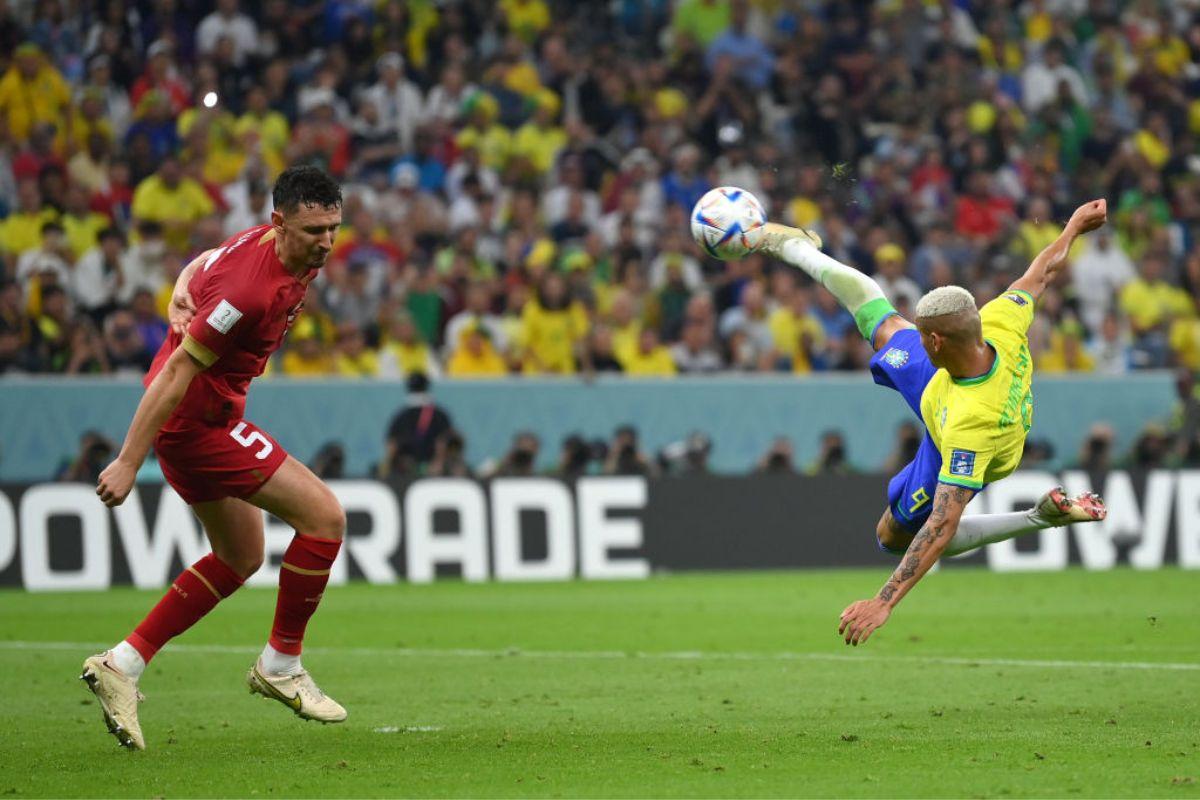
(33, 92)
(482, 133)
(540, 140)
(889, 274)
(397, 99)
(306, 355)
(161, 75)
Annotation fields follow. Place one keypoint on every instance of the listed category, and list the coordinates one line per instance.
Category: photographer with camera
(95, 451)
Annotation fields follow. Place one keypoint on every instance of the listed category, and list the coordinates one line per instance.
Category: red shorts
(206, 462)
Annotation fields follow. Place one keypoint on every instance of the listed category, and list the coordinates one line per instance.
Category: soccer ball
(728, 223)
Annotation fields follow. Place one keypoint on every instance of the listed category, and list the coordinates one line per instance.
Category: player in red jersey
(232, 307)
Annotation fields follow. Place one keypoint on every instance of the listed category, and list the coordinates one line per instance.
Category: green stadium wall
(41, 419)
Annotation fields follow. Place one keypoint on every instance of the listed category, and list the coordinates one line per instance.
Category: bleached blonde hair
(945, 300)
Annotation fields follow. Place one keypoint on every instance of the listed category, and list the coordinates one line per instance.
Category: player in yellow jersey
(967, 373)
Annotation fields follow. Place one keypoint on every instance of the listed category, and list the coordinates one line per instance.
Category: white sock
(128, 660)
(983, 529)
(277, 663)
(852, 288)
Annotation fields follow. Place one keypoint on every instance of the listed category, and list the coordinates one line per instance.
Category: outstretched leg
(1054, 510)
(877, 320)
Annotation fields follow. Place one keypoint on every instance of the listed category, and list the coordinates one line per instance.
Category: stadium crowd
(518, 174)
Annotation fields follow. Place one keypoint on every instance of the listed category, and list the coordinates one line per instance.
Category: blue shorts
(904, 365)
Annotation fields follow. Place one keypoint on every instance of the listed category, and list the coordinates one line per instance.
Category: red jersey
(245, 302)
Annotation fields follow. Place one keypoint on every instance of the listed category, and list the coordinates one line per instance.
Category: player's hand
(181, 310)
(860, 619)
(1089, 216)
(115, 483)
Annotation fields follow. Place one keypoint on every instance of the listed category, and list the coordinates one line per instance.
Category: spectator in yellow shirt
(475, 357)
(90, 121)
(33, 92)
(541, 139)
(1184, 340)
(1150, 301)
(174, 200)
(650, 358)
(626, 327)
(491, 140)
(553, 327)
(306, 356)
(22, 230)
(526, 18)
(1152, 304)
(1066, 352)
(263, 131)
(80, 223)
(404, 351)
(353, 359)
(797, 334)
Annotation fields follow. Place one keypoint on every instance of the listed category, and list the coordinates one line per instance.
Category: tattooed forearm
(930, 541)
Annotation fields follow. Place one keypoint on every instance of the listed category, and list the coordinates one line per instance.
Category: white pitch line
(618, 655)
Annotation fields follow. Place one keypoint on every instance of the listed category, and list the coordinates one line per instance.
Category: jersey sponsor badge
(224, 316)
(962, 462)
(895, 357)
(1019, 299)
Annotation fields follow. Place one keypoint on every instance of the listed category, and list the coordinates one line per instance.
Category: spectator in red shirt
(979, 213)
(161, 74)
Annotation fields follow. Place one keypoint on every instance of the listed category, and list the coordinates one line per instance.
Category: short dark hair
(305, 185)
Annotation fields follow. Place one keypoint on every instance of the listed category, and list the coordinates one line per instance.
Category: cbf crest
(895, 357)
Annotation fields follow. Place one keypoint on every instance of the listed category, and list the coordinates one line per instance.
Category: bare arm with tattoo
(861, 619)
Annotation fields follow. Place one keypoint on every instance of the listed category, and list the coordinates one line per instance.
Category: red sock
(302, 578)
(195, 592)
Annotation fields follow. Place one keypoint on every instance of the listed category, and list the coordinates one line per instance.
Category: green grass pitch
(982, 685)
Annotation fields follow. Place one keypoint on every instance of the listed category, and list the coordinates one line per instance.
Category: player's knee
(890, 535)
(244, 563)
(331, 520)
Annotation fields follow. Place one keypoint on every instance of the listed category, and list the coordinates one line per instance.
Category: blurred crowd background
(519, 174)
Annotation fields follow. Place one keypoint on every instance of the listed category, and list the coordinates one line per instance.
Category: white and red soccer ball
(728, 223)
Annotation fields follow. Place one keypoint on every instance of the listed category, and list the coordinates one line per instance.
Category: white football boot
(776, 235)
(119, 697)
(300, 693)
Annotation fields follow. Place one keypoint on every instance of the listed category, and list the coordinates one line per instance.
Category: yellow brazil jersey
(979, 424)
(549, 337)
